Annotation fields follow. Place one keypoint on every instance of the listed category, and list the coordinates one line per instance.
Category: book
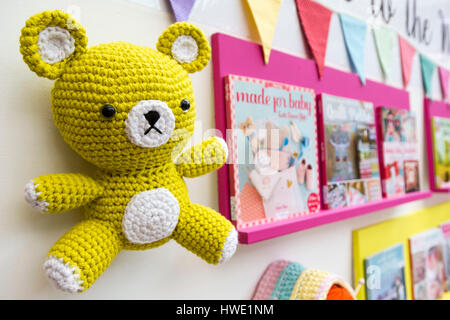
(445, 227)
(427, 264)
(411, 172)
(350, 170)
(441, 151)
(274, 169)
(399, 151)
(385, 274)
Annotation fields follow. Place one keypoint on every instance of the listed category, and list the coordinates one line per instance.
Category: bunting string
(315, 22)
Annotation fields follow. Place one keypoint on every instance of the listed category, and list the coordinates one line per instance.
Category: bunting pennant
(427, 67)
(384, 41)
(181, 9)
(265, 15)
(310, 14)
(407, 53)
(315, 20)
(354, 31)
(444, 75)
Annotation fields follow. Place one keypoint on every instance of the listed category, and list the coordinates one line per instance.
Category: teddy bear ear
(49, 40)
(187, 44)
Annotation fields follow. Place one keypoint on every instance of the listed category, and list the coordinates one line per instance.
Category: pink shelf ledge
(264, 232)
(441, 190)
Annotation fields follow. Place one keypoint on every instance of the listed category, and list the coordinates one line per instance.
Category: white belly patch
(150, 216)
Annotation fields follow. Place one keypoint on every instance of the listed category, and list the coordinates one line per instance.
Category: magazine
(445, 227)
(441, 150)
(385, 274)
(399, 150)
(350, 170)
(427, 264)
(274, 172)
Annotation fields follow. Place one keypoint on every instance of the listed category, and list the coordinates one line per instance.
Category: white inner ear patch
(185, 49)
(150, 123)
(55, 44)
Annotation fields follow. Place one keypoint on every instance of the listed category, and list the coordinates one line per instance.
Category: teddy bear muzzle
(150, 123)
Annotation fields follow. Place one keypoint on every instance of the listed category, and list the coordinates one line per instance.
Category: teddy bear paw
(62, 275)
(229, 247)
(150, 216)
(31, 197)
(224, 145)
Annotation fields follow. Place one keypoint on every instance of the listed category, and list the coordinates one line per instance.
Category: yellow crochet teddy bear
(130, 111)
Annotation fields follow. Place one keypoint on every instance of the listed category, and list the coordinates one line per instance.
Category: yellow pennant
(265, 14)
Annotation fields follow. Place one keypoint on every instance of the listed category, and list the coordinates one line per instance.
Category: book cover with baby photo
(400, 151)
(427, 264)
(274, 170)
(445, 227)
(350, 171)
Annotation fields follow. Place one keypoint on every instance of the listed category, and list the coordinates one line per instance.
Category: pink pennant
(407, 53)
(315, 20)
(444, 75)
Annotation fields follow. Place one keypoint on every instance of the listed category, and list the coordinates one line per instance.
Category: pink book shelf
(235, 56)
(433, 109)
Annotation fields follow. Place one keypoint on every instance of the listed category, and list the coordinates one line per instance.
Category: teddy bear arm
(61, 192)
(206, 233)
(202, 158)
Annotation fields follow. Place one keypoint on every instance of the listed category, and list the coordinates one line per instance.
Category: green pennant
(428, 68)
(384, 40)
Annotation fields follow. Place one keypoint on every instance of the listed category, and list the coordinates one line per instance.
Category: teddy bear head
(122, 107)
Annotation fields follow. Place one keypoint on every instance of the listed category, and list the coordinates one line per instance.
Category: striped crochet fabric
(315, 284)
(268, 280)
(285, 280)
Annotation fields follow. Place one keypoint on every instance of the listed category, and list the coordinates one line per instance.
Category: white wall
(30, 146)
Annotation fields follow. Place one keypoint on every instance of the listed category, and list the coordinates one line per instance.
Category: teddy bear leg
(206, 233)
(81, 255)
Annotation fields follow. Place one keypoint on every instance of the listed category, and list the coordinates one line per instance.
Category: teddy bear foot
(229, 247)
(63, 276)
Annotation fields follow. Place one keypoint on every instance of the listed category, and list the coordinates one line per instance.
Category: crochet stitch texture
(140, 167)
(286, 281)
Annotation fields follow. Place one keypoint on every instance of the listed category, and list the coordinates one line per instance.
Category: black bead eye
(108, 111)
(185, 105)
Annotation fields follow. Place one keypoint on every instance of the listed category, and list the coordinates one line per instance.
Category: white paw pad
(31, 197)
(62, 275)
(224, 145)
(150, 216)
(229, 247)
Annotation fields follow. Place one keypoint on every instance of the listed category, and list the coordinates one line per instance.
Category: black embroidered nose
(152, 117)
